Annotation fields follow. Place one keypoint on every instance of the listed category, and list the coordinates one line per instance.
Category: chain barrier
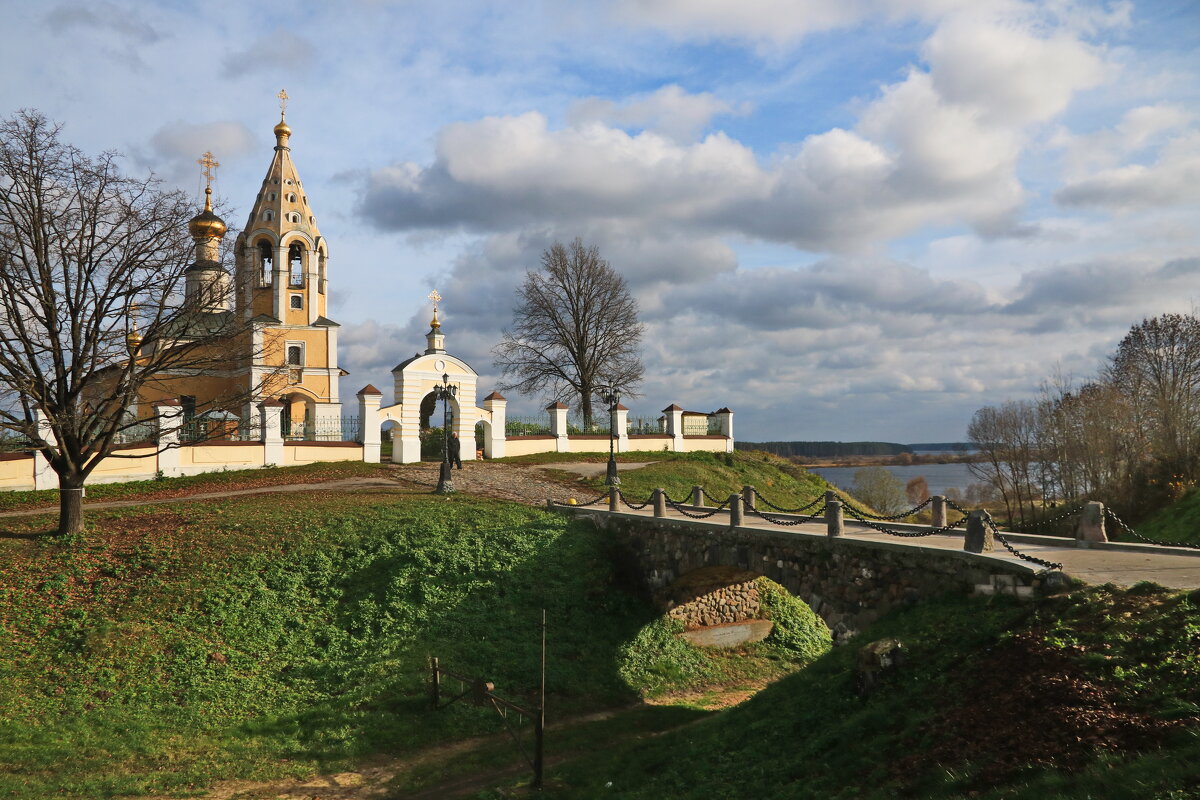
(704, 493)
(790, 522)
(634, 506)
(1145, 539)
(695, 515)
(592, 502)
(782, 510)
(903, 534)
(1052, 520)
(1023, 556)
(858, 512)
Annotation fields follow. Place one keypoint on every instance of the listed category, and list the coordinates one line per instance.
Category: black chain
(1145, 539)
(859, 513)
(1042, 522)
(1023, 556)
(787, 510)
(679, 507)
(593, 502)
(789, 522)
(634, 506)
(889, 531)
(704, 493)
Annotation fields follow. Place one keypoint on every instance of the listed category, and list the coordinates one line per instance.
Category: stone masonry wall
(715, 605)
(848, 583)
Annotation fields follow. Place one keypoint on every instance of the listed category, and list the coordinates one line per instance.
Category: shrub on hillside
(798, 630)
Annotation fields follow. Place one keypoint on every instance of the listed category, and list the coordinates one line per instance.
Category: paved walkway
(1174, 568)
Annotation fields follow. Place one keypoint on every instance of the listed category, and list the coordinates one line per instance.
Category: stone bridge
(851, 573)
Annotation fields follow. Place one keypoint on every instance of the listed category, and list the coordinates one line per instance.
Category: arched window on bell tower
(266, 263)
(296, 265)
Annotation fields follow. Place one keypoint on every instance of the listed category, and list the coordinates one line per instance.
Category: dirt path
(517, 482)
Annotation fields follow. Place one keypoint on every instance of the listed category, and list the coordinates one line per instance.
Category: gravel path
(524, 484)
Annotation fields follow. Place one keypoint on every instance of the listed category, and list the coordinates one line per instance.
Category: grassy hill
(1178, 522)
(268, 636)
(1091, 695)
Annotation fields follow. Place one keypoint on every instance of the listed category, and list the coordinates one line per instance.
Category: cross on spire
(435, 298)
(283, 98)
(208, 163)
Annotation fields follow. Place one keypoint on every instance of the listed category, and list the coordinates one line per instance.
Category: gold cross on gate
(208, 162)
(435, 298)
(283, 98)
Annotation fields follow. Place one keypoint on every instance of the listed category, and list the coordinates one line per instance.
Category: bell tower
(283, 291)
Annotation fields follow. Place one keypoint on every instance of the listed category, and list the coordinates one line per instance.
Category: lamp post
(444, 393)
(611, 397)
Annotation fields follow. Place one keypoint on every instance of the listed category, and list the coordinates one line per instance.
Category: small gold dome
(282, 131)
(206, 223)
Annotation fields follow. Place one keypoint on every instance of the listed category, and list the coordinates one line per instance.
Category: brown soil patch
(1031, 704)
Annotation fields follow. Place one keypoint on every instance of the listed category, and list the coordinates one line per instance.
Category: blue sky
(853, 220)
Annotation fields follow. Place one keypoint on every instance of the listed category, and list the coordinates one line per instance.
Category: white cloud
(175, 147)
(670, 111)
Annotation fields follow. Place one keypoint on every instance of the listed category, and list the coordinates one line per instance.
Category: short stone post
(368, 421)
(938, 505)
(494, 443)
(614, 498)
(735, 510)
(1091, 523)
(168, 416)
(979, 537)
(749, 498)
(620, 423)
(835, 524)
(698, 496)
(674, 415)
(43, 476)
(558, 426)
(660, 502)
(831, 497)
(272, 432)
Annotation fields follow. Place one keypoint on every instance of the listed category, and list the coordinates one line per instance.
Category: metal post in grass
(445, 392)
(614, 498)
(612, 398)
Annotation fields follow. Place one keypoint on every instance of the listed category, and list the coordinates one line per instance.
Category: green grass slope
(266, 636)
(1091, 696)
(721, 474)
(1178, 522)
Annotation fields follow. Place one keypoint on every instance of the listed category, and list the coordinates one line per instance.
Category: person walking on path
(455, 451)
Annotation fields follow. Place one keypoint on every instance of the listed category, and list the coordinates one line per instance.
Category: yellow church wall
(134, 463)
(16, 472)
(705, 444)
(528, 445)
(233, 455)
(308, 453)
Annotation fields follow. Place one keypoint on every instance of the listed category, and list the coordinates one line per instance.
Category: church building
(281, 346)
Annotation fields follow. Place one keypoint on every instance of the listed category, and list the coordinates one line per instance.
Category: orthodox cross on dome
(283, 98)
(435, 298)
(208, 163)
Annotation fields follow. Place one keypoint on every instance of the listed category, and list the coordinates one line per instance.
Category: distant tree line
(1129, 437)
(827, 449)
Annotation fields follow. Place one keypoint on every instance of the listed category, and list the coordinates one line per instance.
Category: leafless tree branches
(85, 251)
(575, 328)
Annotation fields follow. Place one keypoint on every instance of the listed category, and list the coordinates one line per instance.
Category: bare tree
(575, 328)
(85, 253)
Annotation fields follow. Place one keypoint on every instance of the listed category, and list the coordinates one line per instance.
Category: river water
(940, 477)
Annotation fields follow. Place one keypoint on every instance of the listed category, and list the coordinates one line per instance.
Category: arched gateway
(416, 378)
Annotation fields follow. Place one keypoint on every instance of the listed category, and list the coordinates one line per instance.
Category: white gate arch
(414, 379)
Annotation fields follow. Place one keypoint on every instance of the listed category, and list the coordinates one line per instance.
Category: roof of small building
(673, 407)
(495, 396)
(369, 389)
(556, 406)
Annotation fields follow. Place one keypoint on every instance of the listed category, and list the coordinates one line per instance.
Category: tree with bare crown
(575, 329)
(92, 301)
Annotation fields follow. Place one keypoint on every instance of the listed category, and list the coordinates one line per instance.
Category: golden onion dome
(282, 132)
(206, 223)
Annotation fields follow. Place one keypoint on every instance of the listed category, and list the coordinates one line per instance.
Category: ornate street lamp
(444, 393)
(612, 398)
